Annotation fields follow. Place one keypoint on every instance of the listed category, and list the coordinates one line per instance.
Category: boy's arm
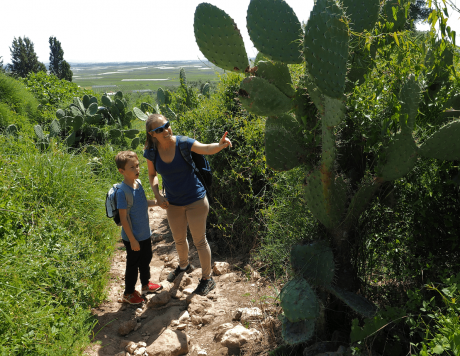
(125, 223)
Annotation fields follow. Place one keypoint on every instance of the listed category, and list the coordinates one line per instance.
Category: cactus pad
(326, 200)
(86, 101)
(171, 115)
(77, 122)
(326, 47)
(400, 157)
(219, 39)
(12, 130)
(106, 101)
(160, 96)
(78, 103)
(135, 143)
(70, 140)
(130, 133)
(314, 262)
(275, 30)
(55, 128)
(146, 107)
(409, 98)
(356, 302)
(278, 75)
(115, 133)
(260, 97)
(443, 144)
(75, 110)
(92, 109)
(283, 143)
(334, 111)
(299, 301)
(362, 13)
(296, 333)
(39, 132)
(60, 114)
(139, 114)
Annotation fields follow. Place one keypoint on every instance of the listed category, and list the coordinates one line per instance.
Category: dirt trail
(239, 288)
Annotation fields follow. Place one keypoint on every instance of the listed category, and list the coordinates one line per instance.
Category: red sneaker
(133, 298)
(151, 287)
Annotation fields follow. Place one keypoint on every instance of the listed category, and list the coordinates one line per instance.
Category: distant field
(129, 77)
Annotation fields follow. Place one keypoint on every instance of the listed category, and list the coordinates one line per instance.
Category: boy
(135, 230)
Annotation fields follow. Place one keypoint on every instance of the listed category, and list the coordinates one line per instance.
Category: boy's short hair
(123, 157)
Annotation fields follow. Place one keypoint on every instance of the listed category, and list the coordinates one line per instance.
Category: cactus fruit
(326, 48)
(275, 30)
(262, 98)
(314, 262)
(298, 332)
(283, 143)
(277, 74)
(299, 301)
(219, 38)
(443, 144)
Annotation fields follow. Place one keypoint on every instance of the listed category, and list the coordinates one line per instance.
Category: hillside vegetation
(56, 153)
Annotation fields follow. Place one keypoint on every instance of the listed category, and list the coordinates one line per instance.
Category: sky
(124, 31)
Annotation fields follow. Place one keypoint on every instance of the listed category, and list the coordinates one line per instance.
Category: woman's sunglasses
(161, 128)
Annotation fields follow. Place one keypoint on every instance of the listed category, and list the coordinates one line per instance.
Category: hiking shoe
(205, 286)
(133, 298)
(172, 276)
(151, 287)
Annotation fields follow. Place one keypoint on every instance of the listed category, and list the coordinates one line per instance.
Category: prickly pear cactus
(336, 60)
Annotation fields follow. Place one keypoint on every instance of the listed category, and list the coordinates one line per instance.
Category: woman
(185, 200)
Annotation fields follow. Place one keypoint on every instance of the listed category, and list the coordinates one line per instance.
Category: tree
(58, 66)
(1, 64)
(24, 59)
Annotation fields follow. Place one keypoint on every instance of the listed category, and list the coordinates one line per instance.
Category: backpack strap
(187, 155)
(185, 152)
(129, 198)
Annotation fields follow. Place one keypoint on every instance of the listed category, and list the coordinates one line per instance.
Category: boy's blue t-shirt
(181, 184)
(139, 213)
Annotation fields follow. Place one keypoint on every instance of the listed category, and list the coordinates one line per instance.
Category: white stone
(181, 326)
(171, 343)
(184, 317)
(188, 291)
(221, 330)
(220, 268)
(202, 353)
(142, 344)
(131, 347)
(140, 351)
(238, 336)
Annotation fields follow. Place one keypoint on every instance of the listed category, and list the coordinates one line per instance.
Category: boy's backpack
(111, 201)
(199, 164)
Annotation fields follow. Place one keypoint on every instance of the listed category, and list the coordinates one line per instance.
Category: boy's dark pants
(137, 262)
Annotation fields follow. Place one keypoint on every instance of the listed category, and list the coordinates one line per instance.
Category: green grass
(55, 248)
